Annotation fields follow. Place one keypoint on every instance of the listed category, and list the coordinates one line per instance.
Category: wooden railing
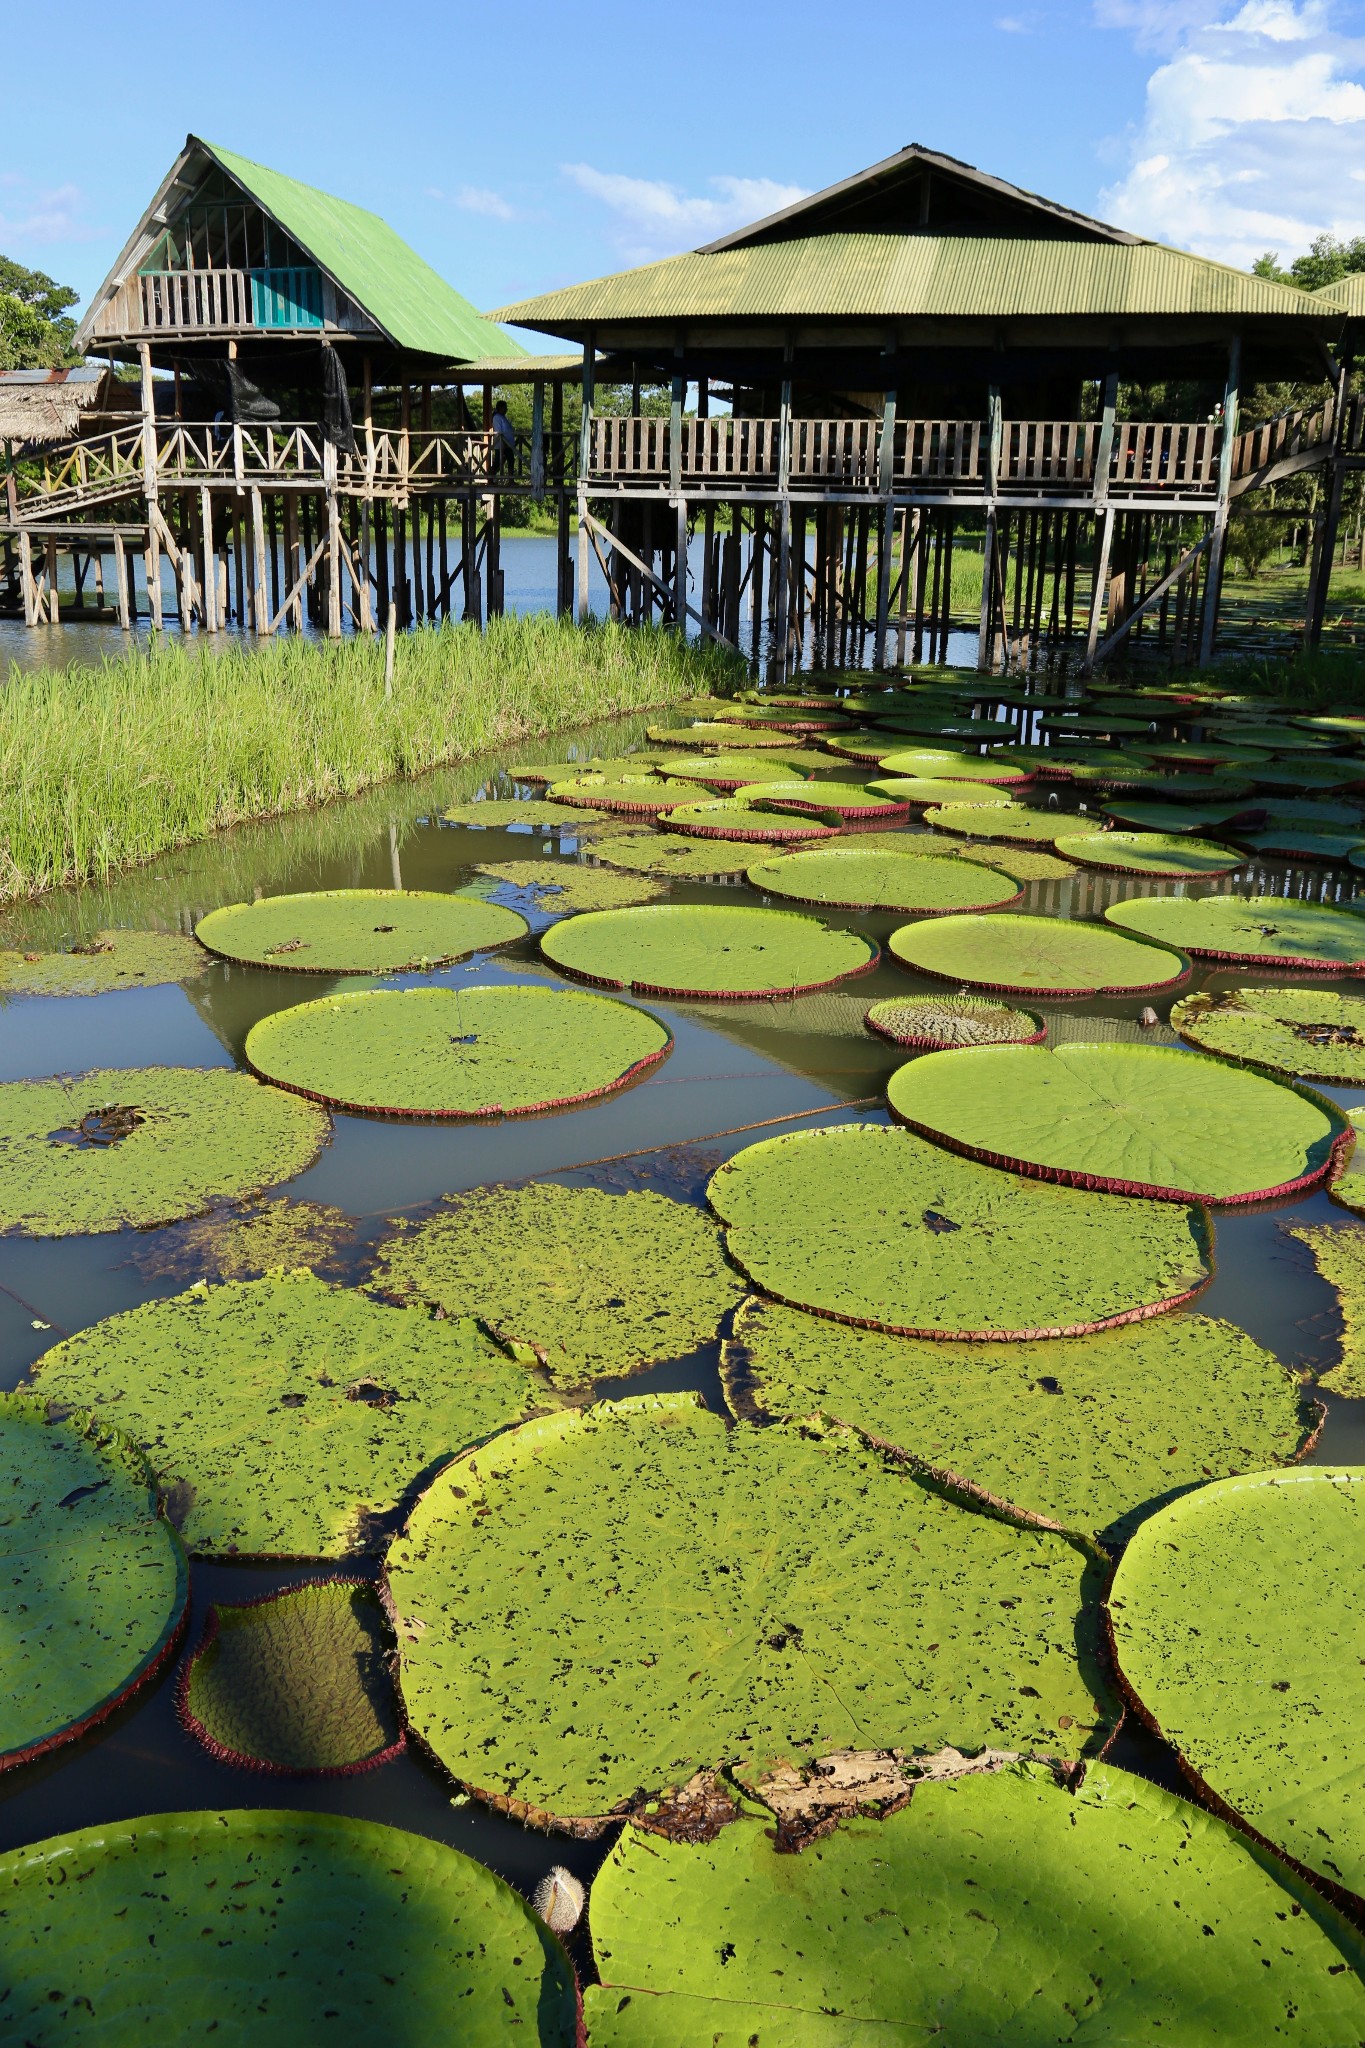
(1170, 455)
(283, 298)
(1048, 451)
(75, 474)
(941, 451)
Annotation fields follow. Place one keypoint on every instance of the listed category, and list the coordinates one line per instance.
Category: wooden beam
(1213, 581)
(1098, 588)
(1153, 597)
(596, 526)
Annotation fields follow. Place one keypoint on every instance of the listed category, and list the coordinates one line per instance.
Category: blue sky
(550, 144)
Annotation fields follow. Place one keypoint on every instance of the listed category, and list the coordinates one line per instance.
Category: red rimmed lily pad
(1039, 956)
(716, 950)
(940, 1023)
(1256, 931)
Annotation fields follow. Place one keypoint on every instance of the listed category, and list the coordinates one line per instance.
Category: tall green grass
(101, 768)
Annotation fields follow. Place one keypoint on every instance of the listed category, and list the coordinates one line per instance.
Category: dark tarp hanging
(337, 424)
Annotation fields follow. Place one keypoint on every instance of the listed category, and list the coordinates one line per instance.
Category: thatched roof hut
(39, 406)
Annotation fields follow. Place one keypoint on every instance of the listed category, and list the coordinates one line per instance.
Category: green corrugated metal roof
(416, 308)
(1347, 294)
(924, 276)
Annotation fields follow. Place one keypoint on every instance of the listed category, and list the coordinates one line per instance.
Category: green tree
(36, 327)
(1326, 262)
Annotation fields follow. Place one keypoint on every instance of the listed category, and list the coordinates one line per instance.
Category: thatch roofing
(38, 406)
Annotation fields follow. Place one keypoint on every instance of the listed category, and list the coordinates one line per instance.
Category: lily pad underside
(357, 931)
(1133, 1119)
(134, 1146)
(1082, 1433)
(1259, 1688)
(273, 1928)
(1314, 1034)
(849, 880)
(1041, 956)
(295, 1682)
(938, 1023)
(692, 949)
(1259, 931)
(997, 1910)
(283, 1417)
(1148, 853)
(735, 1596)
(585, 1283)
(879, 1228)
(111, 960)
(459, 1052)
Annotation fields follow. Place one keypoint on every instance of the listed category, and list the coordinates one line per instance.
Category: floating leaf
(730, 770)
(246, 1241)
(1002, 821)
(1036, 956)
(880, 1228)
(935, 1023)
(1276, 739)
(274, 1928)
(569, 771)
(703, 735)
(640, 798)
(1261, 931)
(1313, 1033)
(1152, 815)
(1239, 1624)
(111, 960)
(844, 878)
(503, 813)
(834, 799)
(585, 1283)
(1148, 853)
(659, 853)
(459, 1052)
(357, 931)
(566, 885)
(1288, 842)
(1023, 862)
(1086, 1433)
(717, 1596)
(132, 1146)
(1347, 1184)
(1339, 1254)
(998, 1909)
(296, 1682)
(1314, 774)
(1137, 1119)
(284, 1417)
(94, 1584)
(731, 818)
(679, 949)
(924, 761)
(919, 791)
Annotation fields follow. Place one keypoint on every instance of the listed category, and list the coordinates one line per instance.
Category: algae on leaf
(1269, 931)
(296, 1682)
(93, 1583)
(459, 1052)
(568, 886)
(111, 960)
(1316, 1034)
(132, 1146)
(1086, 1432)
(680, 949)
(667, 855)
(586, 1283)
(1037, 956)
(846, 878)
(596, 1606)
(246, 1241)
(273, 1928)
(1238, 1616)
(283, 1417)
(1339, 1254)
(878, 1227)
(357, 931)
(996, 1910)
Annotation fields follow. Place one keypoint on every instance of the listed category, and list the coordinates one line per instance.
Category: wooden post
(26, 578)
(121, 583)
(1213, 579)
(263, 621)
(1098, 588)
(1104, 451)
(680, 569)
(1320, 585)
(886, 482)
(149, 481)
(584, 465)
(537, 439)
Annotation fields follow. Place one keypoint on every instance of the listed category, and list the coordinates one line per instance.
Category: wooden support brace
(1153, 597)
(299, 584)
(595, 526)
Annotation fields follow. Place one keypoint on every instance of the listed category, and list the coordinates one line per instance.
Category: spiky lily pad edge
(920, 1043)
(1105, 1184)
(242, 1759)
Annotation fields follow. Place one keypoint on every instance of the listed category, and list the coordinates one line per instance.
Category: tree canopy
(36, 327)
(1325, 262)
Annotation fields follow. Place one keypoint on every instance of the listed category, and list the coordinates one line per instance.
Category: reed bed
(103, 768)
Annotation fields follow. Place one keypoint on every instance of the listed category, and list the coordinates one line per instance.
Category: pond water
(737, 1071)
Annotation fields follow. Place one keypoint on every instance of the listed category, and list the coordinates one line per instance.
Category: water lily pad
(1036, 956)
(1347, 1184)
(668, 854)
(936, 1023)
(1339, 1254)
(1288, 842)
(841, 800)
(111, 960)
(566, 885)
(1315, 1034)
(997, 1910)
(1004, 821)
(95, 1584)
(582, 1282)
(283, 1417)
(357, 931)
(744, 1595)
(925, 762)
(921, 791)
(880, 1228)
(1025, 863)
(1299, 774)
(843, 878)
(870, 746)
(273, 1928)
(132, 1146)
(296, 1681)
(1148, 853)
(783, 718)
(1259, 931)
(681, 949)
(247, 1240)
(730, 771)
(570, 771)
(1151, 815)
(1084, 1433)
(637, 798)
(1136, 1119)
(504, 813)
(1238, 1616)
(736, 818)
(1276, 739)
(704, 735)
(459, 1052)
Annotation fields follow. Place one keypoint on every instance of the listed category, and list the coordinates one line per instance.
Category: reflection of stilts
(395, 865)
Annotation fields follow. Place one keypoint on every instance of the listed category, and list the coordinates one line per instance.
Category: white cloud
(476, 199)
(31, 217)
(656, 219)
(1018, 24)
(1253, 130)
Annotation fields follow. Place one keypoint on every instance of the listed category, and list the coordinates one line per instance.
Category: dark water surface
(732, 1066)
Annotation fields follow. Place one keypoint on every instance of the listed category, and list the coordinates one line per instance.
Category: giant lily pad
(571, 771)
(1259, 931)
(94, 1582)
(296, 1681)
(357, 931)
(834, 799)
(1014, 822)
(273, 1928)
(506, 813)
(1339, 1254)
(704, 735)
(1276, 739)
(131, 1146)
(936, 1023)
(920, 791)
(566, 885)
(1238, 1616)
(1146, 814)
(669, 855)
(1025, 863)
(1347, 1184)
(925, 761)
(459, 1052)
(631, 797)
(1036, 956)
(1306, 775)
(878, 1227)
(997, 1910)
(733, 818)
(284, 1417)
(843, 878)
(111, 960)
(1291, 842)
(1148, 853)
(682, 949)
(729, 770)
(1313, 1033)
(1085, 1433)
(1137, 1119)
(716, 1596)
(246, 1240)
(584, 1282)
